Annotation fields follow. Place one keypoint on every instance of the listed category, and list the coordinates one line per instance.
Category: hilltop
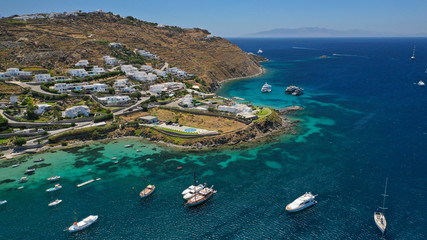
(58, 41)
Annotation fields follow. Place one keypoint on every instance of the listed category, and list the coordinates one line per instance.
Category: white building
(147, 54)
(166, 87)
(146, 68)
(115, 99)
(4, 75)
(116, 45)
(128, 69)
(13, 99)
(160, 73)
(110, 60)
(177, 72)
(78, 72)
(98, 70)
(237, 108)
(96, 87)
(82, 63)
(123, 85)
(42, 108)
(42, 78)
(75, 111)
(61, 78)
(17, 72)
(187, 101)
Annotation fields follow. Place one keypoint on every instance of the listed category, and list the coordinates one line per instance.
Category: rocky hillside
(61, 41)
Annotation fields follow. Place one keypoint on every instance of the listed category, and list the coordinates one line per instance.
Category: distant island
(325, 32)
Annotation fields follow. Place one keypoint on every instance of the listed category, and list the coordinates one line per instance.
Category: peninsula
(76, 76)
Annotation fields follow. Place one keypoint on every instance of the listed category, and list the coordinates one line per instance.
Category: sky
(234, 18)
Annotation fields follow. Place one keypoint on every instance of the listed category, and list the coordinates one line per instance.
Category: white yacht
(379, 217)
(23, 180)
(77, 226)
(191, 191)
(266, 88)
(54, 203)
(3, 202)
(421, 83)
(52, 189)
(16, 165)
(413, 54)
(302, 202)
(53, 179)
(259, 51)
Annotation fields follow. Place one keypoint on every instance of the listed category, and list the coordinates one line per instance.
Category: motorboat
(53, 179)
(294, 90)
(421, 83)
(113, 158)
(201, 196)
(266, 88)
(413, 54)
(147, 191)
(39, 160)
(78, 226)
(23, 180)
(30, 171)
(301, 203)
(16, 165)
(128, 146)
(55, 188)
(3, 202)
(54, 203)
(379, 217)
(138, 150)
(21, 187)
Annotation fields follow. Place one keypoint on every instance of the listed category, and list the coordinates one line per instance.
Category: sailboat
(260, 51)
(379, 217)
(413, 54)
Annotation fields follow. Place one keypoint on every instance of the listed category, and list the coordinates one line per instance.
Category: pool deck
(184, 129)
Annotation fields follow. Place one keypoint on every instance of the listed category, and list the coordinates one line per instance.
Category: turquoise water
(364, 120)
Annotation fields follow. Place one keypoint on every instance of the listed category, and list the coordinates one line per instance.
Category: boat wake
(305, 48)
(348, 55)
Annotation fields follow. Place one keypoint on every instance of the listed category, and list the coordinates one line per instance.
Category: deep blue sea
(364, 119)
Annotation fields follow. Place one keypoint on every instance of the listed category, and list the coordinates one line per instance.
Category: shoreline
(261, 72)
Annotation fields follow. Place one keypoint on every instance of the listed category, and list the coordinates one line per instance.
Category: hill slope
(61, 41)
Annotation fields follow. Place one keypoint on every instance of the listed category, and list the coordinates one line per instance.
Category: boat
(259, 51)
(128, 146)
(138, 150)
(115, 162)
(3, 202)
(52, 189)
(21, 187)
(30, 171)
(147, 191)
(78, 226)
(113, 158)
(179, 168)
(16, 165)
(54, 203)
(301, 203)
(421, 83)
(379, 217)
(191, 191)
(266, 88)
(201, 196)
(53, 179)
(294, 90)
(39, 160)
(23, 180)
(413, 54)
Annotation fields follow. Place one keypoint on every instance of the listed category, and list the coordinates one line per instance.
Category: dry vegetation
(9, 88)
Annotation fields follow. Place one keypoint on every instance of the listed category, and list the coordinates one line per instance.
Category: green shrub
(20, 141)
(103, 117)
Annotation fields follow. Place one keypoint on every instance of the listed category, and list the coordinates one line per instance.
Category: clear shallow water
(364, 119)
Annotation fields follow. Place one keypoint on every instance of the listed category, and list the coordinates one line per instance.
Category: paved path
(35, 88)
(134, 105)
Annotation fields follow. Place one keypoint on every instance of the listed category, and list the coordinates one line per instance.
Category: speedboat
(16, 165)
(39, 160)
(421, 83)
(30, 171)
(3, 202)
(78, 226)
(57, 187)
(21, 187)
(53, 179)
(266, 88)
(147, 191)
(302, 202)
(128, 146)
(201, 196)
(23, 180)
(54, 203)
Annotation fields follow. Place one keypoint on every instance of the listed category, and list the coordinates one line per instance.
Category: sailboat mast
(385, 195)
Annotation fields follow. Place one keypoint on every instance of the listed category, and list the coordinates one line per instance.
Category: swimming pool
(190, 130)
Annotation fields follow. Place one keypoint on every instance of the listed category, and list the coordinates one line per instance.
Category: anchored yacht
(266, 88)
(57, 187)
(379, 217)
(191, 191)
(201, 196)
(301, 203)
(421, 83)
(78, 226)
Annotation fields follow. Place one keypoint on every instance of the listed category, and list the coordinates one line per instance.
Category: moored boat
(53, 179)
(78, 226)
(266, 88)
(16, 165)
(23, 180)
(21, 187)
(55, 188)
(421, 83)
(147, 191)
(301, 203)
(3, 202)
(191, 191)
(294, 90)
(54, 203)
(30, 171)
(201, 196)
(39, 160)
(128, 146)
(379, 217)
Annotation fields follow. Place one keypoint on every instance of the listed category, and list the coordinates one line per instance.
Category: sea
(364, 120)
